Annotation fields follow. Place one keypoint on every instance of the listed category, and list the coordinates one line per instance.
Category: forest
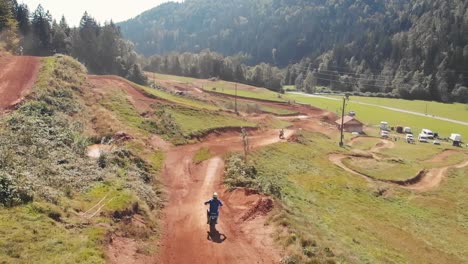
(410, 49)
(100, 47)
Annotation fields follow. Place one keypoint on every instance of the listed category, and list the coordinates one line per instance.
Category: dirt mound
(106, 84)
(441, 157)
(262, 207)
(17, 76)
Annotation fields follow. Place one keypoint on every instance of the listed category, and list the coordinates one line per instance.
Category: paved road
(388, 108)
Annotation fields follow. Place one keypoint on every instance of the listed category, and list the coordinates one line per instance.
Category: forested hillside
(100, 47)
(413, 49)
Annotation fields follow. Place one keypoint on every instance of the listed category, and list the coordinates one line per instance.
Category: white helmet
(215, 195)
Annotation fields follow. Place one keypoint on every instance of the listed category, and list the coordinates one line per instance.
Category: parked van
(422, 138)
(384, 134)
(384, 126)
(428, 133)
(409, 138)
(455, 137)
(407, 130)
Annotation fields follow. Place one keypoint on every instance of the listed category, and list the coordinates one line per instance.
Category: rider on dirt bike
(214, 203)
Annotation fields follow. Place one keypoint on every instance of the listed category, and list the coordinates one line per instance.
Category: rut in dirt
(17, 76)
(241, 236)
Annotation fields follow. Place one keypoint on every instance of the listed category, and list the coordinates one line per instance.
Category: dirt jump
(17, 76)
(241, 235)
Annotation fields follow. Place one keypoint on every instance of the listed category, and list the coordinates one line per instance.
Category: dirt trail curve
(187, 238)
(17, 75)
(425, 181)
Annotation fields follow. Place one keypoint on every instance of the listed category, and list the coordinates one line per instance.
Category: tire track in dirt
(424, 181)
(186, 238)
(17, 76)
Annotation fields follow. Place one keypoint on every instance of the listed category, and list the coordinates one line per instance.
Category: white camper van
(384, 126)
(455, 137)
(422, 138)
(428, 133)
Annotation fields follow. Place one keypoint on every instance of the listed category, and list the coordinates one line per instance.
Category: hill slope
(417, 49)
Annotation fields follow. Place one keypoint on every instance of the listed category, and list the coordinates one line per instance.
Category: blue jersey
(214, 205)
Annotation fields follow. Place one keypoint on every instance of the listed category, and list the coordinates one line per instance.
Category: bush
(12, 193)
(241, 174)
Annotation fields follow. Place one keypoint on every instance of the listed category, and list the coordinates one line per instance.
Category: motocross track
(17, 76)
(241, 235)
(425, 181)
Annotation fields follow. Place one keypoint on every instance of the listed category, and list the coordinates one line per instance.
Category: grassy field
(372, 116)
(180, 100)
(169, 77)
(454, 111)
(334, 215)
(256, 93)
(195, 122)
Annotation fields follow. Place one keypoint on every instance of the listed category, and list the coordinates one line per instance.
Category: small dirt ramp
(17, 76)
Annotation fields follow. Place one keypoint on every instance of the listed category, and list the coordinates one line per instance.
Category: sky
(101, 10)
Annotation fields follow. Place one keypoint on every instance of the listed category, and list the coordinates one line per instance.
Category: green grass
(27, 235)
(289, 88)
(255, 93)
(170, 77)
(181, 100)
(195, 122)
(333, 209)
(201, 155)
(456, 111)
(372, 116)
(49, 162)
(119, 104)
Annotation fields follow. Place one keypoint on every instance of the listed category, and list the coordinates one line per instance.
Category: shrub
(12, 193)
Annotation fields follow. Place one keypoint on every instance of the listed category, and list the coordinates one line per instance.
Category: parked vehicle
(384, 134)
(428, 133)
(409, 138)
(407, 130)
(384, 126)
(422, 138)
(455, 137)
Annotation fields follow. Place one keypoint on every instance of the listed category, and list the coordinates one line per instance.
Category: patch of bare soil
(17, 76)
(107, 84)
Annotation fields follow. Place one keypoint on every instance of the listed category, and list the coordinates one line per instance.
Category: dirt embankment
(17, 76)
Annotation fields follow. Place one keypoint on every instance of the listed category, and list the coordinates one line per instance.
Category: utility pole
(235, 101)
(342, 121)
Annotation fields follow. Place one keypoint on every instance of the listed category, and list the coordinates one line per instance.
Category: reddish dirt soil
(105, 84)
(17, 76)
(241, 236)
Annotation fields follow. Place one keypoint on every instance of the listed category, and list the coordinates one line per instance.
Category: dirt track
(17, 75)
(238, 240)
(429, 180)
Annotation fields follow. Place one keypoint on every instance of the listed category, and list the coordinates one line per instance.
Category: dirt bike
(212, 219)
(281, 135)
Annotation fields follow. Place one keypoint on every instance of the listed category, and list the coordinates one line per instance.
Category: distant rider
(281, 135)
(214, 203)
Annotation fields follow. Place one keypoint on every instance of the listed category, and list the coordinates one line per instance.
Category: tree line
(100, 48)
(412, 49)
(208, 64)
